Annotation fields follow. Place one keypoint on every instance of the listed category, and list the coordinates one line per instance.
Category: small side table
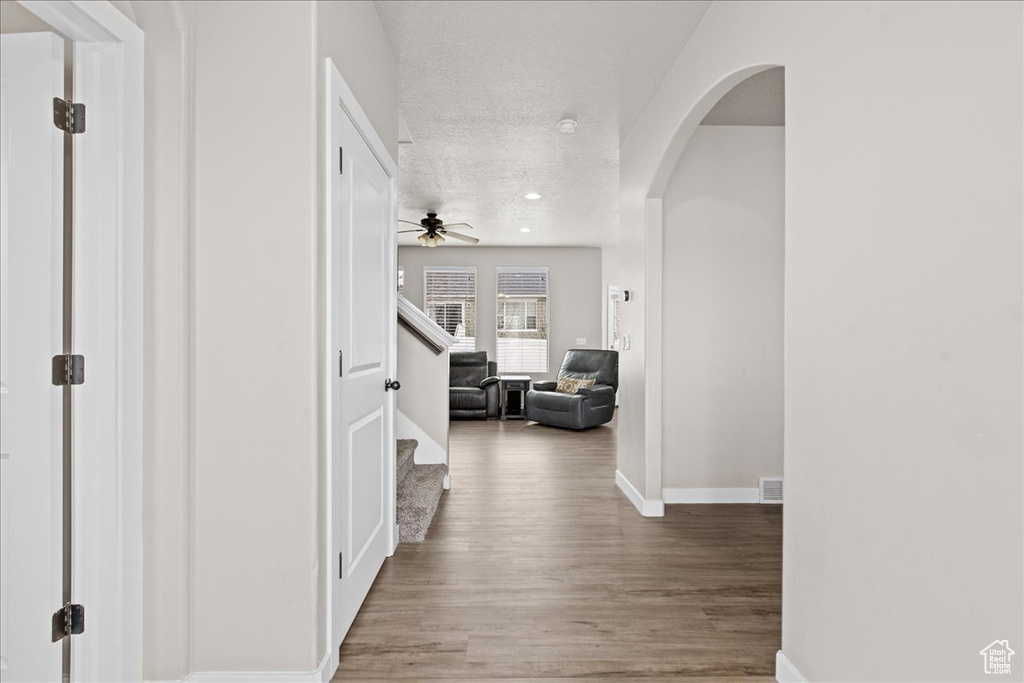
(513, 396)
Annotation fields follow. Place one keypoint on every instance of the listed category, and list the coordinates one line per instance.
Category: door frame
(108, 330)
(337, 91)
(609, 321)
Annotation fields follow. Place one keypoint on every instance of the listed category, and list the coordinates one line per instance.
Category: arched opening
(717, 208)
(723, 216)
(647, 169)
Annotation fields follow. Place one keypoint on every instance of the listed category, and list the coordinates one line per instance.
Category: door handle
(392, 384)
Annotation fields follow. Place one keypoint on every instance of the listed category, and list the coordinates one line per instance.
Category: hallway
(536, 567)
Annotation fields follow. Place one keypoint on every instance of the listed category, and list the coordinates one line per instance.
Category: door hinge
(68, 116)
(341, 566)
(341, 160)
(68, 370)
(69, 620)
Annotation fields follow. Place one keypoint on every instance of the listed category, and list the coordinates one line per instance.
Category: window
(449, 298)
(520, 316)
(522, 320)
(401, 280)
(449, 315)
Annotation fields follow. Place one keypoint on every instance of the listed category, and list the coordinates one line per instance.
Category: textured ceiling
(481, 87)
(758, 101)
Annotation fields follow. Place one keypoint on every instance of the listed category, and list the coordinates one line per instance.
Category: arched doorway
(723, 215)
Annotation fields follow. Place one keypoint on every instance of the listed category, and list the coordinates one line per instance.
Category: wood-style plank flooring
(537, 568)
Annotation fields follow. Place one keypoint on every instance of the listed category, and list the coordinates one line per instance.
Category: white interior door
(360, 312)
(31, 230)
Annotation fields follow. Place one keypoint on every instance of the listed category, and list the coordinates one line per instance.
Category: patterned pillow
(572, 385)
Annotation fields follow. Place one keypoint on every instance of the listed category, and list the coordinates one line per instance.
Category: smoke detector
(567, 125)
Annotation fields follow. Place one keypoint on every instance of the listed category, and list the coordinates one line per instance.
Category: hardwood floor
(536, 567)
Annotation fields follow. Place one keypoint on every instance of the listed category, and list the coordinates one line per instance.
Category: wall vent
(770, 489)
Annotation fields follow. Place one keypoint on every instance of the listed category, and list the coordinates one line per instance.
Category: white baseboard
(428, 452)
(256, 677)
(647, 507)
(322, 674)
(710, 495)
(446, 483)
(785, 672)
(330, 664)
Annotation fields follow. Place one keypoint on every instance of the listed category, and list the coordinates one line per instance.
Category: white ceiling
(481, 87)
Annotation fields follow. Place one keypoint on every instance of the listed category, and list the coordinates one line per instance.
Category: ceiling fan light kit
(430, 240)
(434, 231)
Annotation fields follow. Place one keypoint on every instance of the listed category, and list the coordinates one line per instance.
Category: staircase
(419, 492)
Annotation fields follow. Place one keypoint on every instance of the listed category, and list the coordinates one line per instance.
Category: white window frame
(547, 316)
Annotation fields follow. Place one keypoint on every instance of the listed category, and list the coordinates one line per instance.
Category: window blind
(449, 298)
(522, 320)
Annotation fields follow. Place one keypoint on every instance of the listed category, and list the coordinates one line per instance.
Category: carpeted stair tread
(406, 454)
(418, 496)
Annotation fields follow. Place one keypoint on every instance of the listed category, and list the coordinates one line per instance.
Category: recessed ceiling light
(532, 195)
(567, 125)
(524, 230)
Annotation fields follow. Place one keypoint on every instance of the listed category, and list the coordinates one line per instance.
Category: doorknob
(392, 384)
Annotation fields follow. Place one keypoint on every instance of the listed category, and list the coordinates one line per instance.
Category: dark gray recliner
(587, 408)
(473, 391)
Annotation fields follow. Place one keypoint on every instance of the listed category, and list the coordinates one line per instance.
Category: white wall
(423, 399)
(255, 256)
(350, 33)
(233, 461)
(16, 19)
(167, 476)
(723, 269)
(903, 322)
(574, 284)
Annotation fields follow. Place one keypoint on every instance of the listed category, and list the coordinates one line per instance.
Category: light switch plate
(581, 341)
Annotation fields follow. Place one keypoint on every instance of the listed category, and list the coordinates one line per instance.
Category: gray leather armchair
(473, 387)
(587, 408)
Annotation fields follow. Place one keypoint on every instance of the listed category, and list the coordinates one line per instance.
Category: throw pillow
(572, 385)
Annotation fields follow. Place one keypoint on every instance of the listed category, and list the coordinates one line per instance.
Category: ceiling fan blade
(465, 225)
(400, 220)
(458, 236)
(404, 231)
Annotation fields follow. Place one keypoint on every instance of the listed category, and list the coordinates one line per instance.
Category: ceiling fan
(434, 231)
